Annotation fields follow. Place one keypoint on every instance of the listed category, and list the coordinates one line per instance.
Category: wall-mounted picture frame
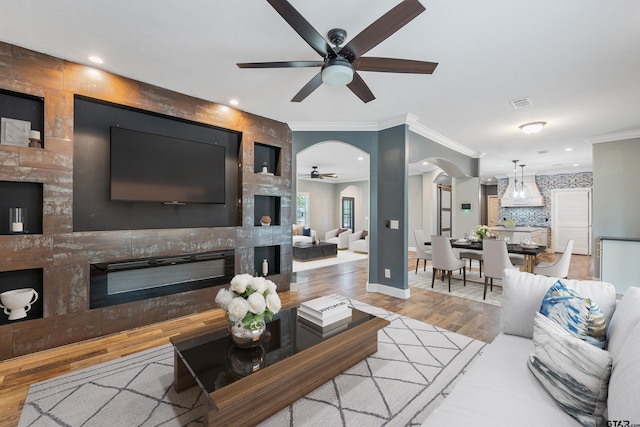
(14, 132)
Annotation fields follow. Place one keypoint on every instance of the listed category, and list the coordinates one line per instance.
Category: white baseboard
(388, 290)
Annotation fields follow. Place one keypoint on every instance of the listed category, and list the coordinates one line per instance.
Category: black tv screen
(156, 168)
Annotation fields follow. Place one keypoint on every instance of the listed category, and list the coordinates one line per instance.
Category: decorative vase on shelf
(265, 267)
(264, 167)
(265, 221)
(17, 302)
(244, 337)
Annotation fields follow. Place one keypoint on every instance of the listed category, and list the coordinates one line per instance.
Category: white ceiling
(576, 60)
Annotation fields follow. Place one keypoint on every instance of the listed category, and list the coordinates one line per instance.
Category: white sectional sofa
(500, 390)
(297, 235)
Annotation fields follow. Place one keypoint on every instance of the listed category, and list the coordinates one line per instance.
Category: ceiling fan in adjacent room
(317, 175)
(341, 63)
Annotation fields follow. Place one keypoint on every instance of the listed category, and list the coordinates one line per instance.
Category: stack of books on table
(324, 314)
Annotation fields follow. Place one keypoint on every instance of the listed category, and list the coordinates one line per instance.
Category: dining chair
(496, 260)
(472, 254)
(421, 252)
(443, 259)
(518, 237)
(559, 268)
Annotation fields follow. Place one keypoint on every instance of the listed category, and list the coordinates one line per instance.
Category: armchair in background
(359, 242)
(339, 236)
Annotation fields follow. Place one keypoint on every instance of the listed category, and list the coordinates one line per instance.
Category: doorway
(493, 206)
(348, 213)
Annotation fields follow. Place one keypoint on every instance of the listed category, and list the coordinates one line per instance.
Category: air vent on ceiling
(543, 152)
(520, 103)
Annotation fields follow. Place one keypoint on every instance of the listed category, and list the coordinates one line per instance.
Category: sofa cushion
(575, 373)
(342, 230)
(306, 231)
(499, 390)
(522, 295)
(624, 386)
(297, 229)
(364, 235)
(626, 318)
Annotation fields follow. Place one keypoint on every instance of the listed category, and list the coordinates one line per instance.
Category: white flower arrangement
(481, 232)
(249, 300)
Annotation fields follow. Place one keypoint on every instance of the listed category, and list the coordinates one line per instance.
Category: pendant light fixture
(521, 192)
(515, 178)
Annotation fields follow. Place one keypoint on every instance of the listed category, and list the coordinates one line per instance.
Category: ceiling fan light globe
(337, 75)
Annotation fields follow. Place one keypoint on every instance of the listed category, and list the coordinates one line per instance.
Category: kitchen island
(537, 235)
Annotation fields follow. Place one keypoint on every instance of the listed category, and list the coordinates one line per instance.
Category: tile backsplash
(541, 216)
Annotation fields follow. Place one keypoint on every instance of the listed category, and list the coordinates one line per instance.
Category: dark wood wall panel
(65, 255)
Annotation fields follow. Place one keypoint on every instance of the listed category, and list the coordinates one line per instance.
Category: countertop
(518, 228)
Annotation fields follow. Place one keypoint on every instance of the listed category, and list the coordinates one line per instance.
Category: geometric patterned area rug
(473, 290)
(401, 384)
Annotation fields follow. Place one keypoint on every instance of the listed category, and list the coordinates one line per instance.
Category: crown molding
(408, 119)
(615, 136)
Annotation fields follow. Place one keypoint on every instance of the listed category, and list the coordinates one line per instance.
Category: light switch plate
(387, 273)
(395, 224)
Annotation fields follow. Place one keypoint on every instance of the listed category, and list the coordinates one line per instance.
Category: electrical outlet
(387, 273)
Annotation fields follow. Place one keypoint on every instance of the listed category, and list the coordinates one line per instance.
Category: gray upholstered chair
(560, 268)
(443, 259)
(518, 237)
(472, 254)
(421, 249)
(496, 260)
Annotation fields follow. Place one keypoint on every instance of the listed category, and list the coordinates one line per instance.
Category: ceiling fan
(317, 175)
(341, 63)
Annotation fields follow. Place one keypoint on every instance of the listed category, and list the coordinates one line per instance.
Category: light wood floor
(476, 320)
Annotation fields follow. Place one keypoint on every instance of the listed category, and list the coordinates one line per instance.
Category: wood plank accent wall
(65, 256)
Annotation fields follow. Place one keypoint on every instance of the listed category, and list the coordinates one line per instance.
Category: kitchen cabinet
(538, 234)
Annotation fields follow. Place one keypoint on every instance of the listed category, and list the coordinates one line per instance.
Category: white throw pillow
(574, 372)
(522, 294)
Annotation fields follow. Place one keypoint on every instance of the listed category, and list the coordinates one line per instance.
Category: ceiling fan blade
(382, 28)
(313, 84)
(360, 88)
(303, 27)
(329, 175)
(391, 65)
(281, 64)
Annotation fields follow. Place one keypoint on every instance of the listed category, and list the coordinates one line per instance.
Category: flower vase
(244, 337)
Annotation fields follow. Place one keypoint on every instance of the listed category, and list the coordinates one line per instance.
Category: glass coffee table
(247, 386)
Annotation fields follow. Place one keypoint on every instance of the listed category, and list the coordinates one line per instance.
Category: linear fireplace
(131, 280)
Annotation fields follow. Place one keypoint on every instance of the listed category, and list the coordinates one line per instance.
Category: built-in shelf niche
(28, 108)
(263, 153)
(26, 195)
(18, 279)
(271, 254)
(266, 206)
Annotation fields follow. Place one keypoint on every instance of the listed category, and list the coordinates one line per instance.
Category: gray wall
(616, 191)
(415, 206)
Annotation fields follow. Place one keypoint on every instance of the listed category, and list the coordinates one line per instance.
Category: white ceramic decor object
(17, 302)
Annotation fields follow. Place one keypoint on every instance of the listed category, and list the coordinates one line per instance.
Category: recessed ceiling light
(234, 102)
(576, 164)
(533, 127)
(360, 158)
(568, 149)
(425, 163)
(96, 59)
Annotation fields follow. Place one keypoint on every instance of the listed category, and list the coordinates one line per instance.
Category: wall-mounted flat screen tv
(156, 168)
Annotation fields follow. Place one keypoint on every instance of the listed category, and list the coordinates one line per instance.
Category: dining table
(530, 252)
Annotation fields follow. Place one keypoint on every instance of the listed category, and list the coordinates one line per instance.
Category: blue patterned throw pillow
(580, 316)
(306, 232)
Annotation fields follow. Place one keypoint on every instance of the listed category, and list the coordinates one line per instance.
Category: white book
(324, 306)
(327, 320)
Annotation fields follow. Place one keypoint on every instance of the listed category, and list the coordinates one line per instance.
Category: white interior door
(572, 219)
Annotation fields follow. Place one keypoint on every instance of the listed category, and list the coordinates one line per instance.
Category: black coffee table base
(309, 251)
